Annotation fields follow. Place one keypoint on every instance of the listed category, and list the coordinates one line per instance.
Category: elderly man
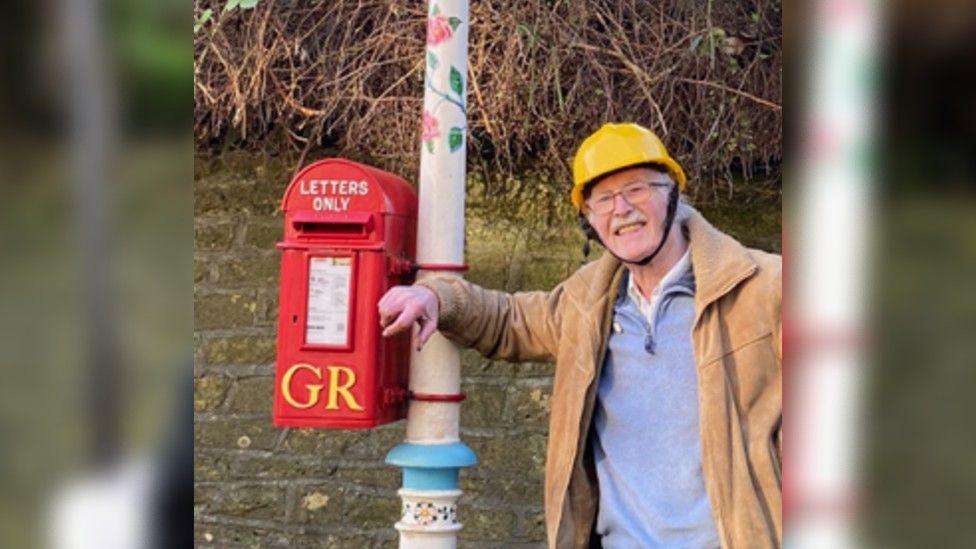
(666, 417)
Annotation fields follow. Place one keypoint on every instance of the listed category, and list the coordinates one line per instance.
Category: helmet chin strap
(668, 222)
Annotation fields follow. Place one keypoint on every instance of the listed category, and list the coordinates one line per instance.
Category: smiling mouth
(628, 228)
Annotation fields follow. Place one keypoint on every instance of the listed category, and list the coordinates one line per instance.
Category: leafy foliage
(542, 75)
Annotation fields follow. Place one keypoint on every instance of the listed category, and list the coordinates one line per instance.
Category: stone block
(241, 196)
(327, 504)
(496, 489)
(241, 501)
(253, 395)
(208, 237)
(508, 544)
(234, 434)
(535, 369)
(528, 403)
(368, 445)
(212, 199)
(532, 527)
(263, 234)
(475, 365)
(280, 467)
(503, 452)
(268, 309)
(209, 392)
(484, 406)
(264, 195)
(215, 311)
(228, 535)
(377, 442)
(201, 271)
(211, 465)
(326, 443)
(385, 477)
(490, 524)
(250, 349)
(250, 270)
(289, 540)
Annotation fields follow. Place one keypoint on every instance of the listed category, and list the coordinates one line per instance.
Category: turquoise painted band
(430, 479)
(431, 466)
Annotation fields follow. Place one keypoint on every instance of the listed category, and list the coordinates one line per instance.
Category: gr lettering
(337, 387)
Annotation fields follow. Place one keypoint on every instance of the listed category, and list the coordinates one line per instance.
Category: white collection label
(332, 195)
(326, 322)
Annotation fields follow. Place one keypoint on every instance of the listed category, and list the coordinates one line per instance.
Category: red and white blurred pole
(827, 277)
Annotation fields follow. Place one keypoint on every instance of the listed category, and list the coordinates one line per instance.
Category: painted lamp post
(432, 455)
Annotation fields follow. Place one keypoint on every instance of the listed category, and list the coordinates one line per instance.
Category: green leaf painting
(453, 22)
(432, 61)
(430, 146)
(436, 10)
(455, 138)
(457, 83)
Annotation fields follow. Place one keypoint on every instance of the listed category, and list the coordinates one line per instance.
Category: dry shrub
(543, 74)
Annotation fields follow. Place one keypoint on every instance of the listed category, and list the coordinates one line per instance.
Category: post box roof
(396, 195)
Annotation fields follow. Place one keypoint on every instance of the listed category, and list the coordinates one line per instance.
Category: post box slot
(347, 230)
(348, 225)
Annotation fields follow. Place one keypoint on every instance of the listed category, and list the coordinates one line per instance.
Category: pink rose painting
(439, 29)
(430, 131)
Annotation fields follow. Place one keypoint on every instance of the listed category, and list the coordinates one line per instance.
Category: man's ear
(588, 229)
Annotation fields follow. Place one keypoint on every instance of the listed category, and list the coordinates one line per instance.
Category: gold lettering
(313, 390)
(335, 389)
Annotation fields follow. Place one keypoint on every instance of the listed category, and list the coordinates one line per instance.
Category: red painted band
(427, 397)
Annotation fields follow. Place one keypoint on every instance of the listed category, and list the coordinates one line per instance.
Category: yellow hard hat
(617, 146)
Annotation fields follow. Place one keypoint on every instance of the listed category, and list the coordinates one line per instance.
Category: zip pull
(649, 343)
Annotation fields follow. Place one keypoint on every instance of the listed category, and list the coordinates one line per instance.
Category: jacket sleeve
(518, 327)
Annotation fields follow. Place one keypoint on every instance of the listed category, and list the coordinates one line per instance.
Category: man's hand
(404, 305)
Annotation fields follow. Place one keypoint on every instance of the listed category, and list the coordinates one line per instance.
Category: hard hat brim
(672, 167)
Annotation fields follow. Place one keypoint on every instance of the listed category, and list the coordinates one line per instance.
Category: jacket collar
(719, 262)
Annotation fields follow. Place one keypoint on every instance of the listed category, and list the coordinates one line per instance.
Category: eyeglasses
(634, 193)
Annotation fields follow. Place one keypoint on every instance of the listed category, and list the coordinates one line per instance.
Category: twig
(722, 87)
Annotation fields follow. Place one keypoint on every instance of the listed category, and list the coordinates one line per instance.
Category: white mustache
(635, 219)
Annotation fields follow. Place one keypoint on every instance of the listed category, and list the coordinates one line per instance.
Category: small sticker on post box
(327, 318)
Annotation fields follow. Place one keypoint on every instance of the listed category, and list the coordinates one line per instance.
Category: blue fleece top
(646, 442)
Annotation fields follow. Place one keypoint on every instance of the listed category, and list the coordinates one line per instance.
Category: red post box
(349, 236)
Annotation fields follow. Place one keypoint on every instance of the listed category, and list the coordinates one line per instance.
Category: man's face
(627, 210)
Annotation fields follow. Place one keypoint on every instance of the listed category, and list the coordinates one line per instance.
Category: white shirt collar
(646, 306)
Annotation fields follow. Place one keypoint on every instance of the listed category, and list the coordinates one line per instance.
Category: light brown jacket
(738, 354)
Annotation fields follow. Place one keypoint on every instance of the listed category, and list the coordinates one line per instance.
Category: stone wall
(258, 485)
